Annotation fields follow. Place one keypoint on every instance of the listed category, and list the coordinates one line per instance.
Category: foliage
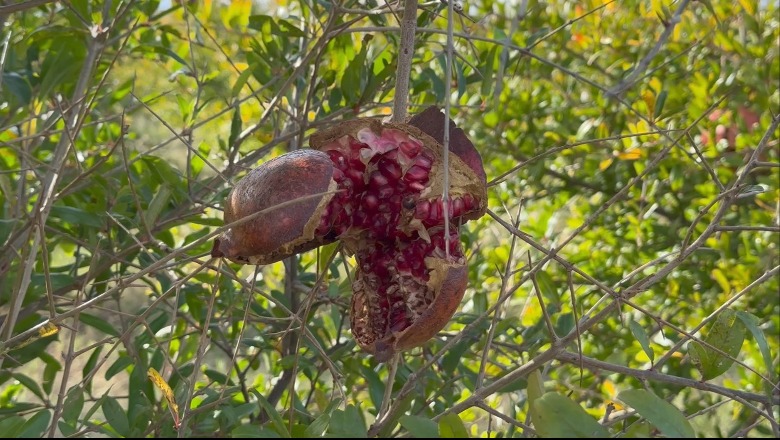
(625, 280)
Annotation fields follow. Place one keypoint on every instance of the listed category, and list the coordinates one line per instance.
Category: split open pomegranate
(380, 192)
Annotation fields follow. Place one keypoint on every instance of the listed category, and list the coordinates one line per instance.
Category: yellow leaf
(48, 329)
(604, 164)
(721, 279)
(748, 5)
(160, 383)
(633, 154)
(649, 97)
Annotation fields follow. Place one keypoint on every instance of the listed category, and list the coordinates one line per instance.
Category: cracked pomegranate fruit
(378, 188)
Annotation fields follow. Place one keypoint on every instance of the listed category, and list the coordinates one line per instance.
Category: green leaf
(156, 206)
(77, 216)
(659, 103)
(273, 26)
(376, 386)
(347, 423)
(240, 82)
(162, 51)
(50, 371)
(751, 322)
(488, 71)
(559, 416)
(74, 403)
(10, 426)
(535, 390)
(660, 413)
(115, 416)
(279, 425)
(30, 384)
(35, 425)
(98, 323)
(253, 431)
(641, 336)
(235, 126)
(320, 424)
(419, 427)
(451, 426)
(355, 73)
(119, 365)
(547, 287)
(90, 365)
(66, 429)
(726, 334)
(454, 356)
(462, 83)
(317, 427)
(19, 86)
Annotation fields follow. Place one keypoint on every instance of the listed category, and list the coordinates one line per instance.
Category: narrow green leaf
(119, 365)
(76, 216)
(726, 334)
(535, 390)
(488, 71)
(376, 386)
(547, 287)
(253, 431)
(66, 429)
(660, 413)
(35, 425)
(347, 423)
(559, 416)
(240, 82)
(159, 202)
(95, 406)
(273, 414)
(461, 78)
(355, 72)
(30, 384)
(162, 51)
(659, 103)
(50, 371)
(98, 323)
(641, 336)
(752, 324)
(419, 427)
(74, 403)
(451, 426)
(235, 126)
(115, 416)
(10, 426)
(90, 365)
(317, 427)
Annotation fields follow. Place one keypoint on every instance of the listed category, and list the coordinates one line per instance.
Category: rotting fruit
(377, 187)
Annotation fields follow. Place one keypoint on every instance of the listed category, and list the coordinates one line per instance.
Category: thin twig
(21, 6)
(627, 83)
(652, 375)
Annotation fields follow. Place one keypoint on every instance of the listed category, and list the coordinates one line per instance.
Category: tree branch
(405, 55)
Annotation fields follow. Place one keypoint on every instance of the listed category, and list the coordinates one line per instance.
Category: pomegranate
(378, 188)
(276, 232)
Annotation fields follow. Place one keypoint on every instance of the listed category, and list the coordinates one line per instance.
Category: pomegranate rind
(449, 281)
(280, 231)
(431, 122)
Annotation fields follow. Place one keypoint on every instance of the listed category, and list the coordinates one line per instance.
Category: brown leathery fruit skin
(280, 231)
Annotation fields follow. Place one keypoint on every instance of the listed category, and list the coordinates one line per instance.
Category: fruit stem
(389, 388)
(405, 55)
